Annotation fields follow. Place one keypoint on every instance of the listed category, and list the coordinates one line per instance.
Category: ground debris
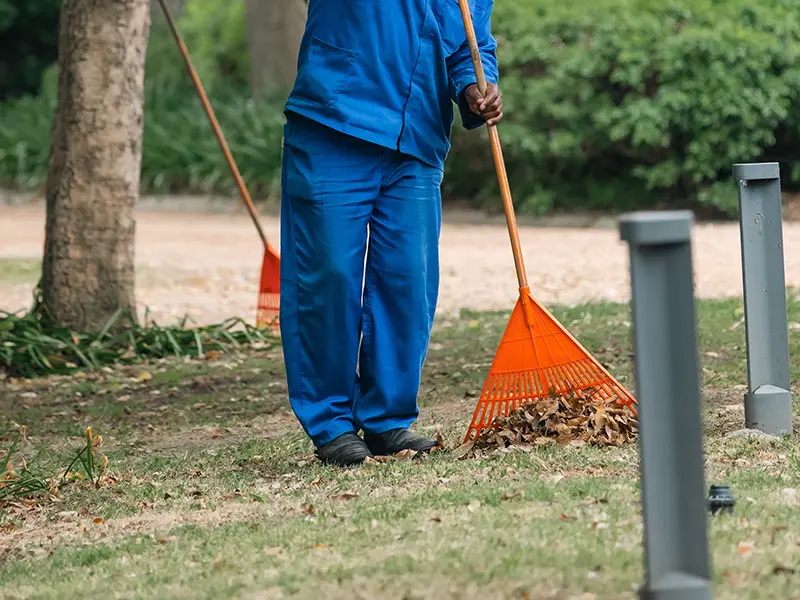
(573, 419)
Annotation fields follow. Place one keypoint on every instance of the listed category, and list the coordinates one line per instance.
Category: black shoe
(346, 450)
(396, 440)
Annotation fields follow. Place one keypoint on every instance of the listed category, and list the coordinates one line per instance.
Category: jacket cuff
(469, 119)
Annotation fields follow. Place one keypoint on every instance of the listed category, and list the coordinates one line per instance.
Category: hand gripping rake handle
(497, 150)
(215, 125)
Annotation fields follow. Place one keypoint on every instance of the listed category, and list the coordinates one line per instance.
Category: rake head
(537, 357)
(269, 293)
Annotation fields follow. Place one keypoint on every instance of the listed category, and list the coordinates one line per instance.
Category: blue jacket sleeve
(461, 70)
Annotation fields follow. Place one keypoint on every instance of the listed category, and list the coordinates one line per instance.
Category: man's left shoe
(396, 440)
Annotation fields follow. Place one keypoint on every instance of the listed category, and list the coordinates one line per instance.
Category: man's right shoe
(344, 451)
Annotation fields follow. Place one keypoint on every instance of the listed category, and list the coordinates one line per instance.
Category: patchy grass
(218, 494)
(19, 270)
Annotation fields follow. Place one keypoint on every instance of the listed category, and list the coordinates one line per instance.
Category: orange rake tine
(269, 295)
(537, 356)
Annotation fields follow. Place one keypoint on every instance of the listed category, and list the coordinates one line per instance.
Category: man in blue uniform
(367, 134)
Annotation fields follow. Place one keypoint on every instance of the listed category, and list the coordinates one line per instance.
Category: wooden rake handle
(497, 150)
(245, 195)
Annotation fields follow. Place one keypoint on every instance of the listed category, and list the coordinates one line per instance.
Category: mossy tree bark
(95, 162)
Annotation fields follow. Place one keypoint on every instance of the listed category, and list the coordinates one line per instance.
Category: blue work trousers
(354, 354)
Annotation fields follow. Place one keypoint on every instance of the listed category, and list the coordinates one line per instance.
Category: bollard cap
(658, 227)
(756, 171)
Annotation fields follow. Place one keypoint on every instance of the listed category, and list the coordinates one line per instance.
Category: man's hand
(490, 107)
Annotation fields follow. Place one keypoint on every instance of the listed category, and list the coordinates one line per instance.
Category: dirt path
(207, 265)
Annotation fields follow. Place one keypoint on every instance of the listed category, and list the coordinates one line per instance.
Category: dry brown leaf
(98, 520)
(406, 454)
(345, 496)
(464, 449)
(574, 419)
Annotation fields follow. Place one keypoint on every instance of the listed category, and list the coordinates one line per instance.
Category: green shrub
(620, 103)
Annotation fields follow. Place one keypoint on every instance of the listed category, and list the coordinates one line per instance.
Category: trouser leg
(400, 294)
(330, 184)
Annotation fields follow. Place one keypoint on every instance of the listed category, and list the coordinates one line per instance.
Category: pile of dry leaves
(573, 419)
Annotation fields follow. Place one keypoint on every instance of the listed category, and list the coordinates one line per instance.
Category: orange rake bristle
(538, 357)
(269, 293)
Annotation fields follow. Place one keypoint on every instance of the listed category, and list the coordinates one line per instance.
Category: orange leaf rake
(537, 356)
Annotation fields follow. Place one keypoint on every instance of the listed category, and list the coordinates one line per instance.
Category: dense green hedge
(610, 104)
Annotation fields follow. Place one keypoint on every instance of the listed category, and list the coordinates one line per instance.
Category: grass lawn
(217, 494)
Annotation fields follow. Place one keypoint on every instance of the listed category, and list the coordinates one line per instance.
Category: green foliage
(610, 104)
(28, 44)
(32, 345)
(214, 33)
(616, 103)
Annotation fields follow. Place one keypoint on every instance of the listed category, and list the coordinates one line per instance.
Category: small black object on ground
(720, 499)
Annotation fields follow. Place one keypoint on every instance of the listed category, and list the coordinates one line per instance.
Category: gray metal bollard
(768, 402)
(668, 391)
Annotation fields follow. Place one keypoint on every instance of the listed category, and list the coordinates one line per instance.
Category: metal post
(768, 401)
(668, 391)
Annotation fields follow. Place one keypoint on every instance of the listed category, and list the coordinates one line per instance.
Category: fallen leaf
(309, 509)
(574, 419)
(463, 450)
(745, 549)
(170, 538)
(233, 495)
(317, 481)
(436, 520)
(212, 355)
(144, 376)
(406, 454)
(510, 495)
(345, 496)
(98, 520)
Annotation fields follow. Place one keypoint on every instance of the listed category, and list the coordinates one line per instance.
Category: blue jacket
(389, 71)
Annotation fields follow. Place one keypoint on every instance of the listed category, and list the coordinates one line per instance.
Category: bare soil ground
(208, 265)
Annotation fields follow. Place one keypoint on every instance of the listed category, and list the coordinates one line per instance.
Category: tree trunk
(274, 31)
(95, 162)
